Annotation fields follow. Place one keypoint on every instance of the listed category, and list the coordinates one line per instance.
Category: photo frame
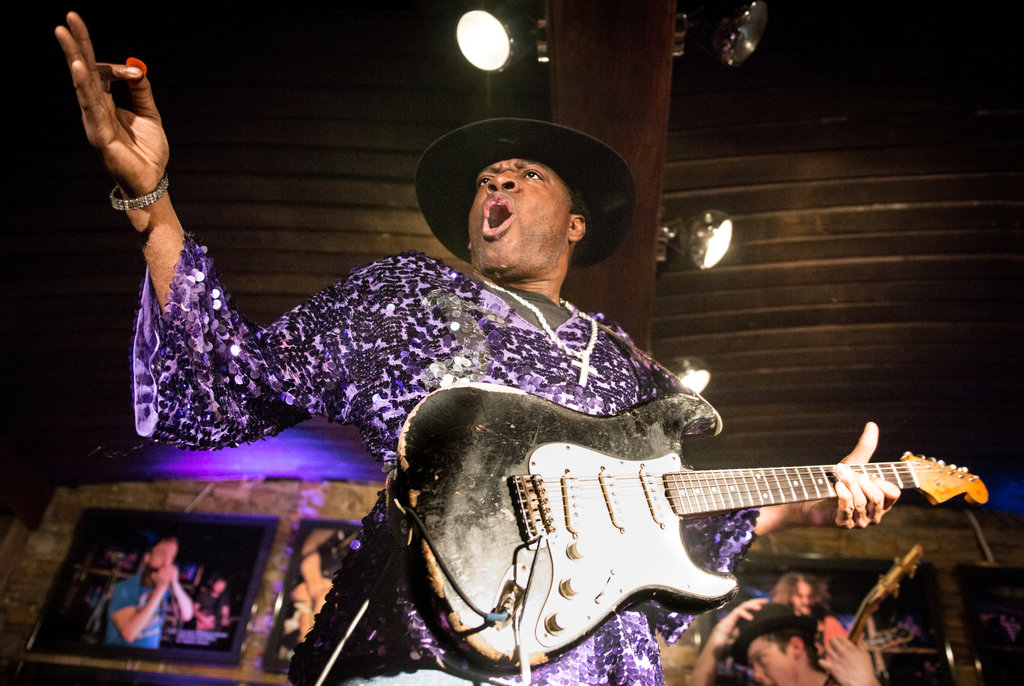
(318, 547)
(994, 604)
(905, 635)
(49, 674)
(103, 601)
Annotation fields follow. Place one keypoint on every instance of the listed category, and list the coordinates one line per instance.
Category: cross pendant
(585, 370)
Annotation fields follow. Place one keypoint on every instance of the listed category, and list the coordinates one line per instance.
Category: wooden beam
(611, 75)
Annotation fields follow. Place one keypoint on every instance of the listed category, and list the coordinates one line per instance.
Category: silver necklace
(582, 356)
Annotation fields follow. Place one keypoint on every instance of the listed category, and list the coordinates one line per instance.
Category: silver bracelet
(125, 204)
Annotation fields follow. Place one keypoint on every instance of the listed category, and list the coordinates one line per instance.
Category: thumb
(865, 447)
(142, 99)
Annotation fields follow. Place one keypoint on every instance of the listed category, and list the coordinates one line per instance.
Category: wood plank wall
(871, 159)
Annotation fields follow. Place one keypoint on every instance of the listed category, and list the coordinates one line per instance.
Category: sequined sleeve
(204, 377)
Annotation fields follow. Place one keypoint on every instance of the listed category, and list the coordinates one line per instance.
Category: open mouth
(497, 215)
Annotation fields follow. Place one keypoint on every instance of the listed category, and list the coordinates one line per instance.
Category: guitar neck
(725, 490)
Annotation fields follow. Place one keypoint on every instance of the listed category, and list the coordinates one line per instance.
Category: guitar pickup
(532, 507)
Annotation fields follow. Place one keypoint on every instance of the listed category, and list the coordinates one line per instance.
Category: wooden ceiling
(870, 158)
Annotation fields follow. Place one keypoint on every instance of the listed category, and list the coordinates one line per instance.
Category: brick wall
(947, 535)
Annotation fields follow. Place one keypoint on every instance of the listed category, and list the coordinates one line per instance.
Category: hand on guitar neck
(861, 499)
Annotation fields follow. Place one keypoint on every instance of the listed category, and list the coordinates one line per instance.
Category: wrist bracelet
(124, 204)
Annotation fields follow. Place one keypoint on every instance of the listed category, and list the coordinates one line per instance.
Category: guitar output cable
(519, 604)
(491, 617)
(517, 619)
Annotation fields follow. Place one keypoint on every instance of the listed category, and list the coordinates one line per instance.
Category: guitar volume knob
(567, 589)
(552, 624)
(575, 551)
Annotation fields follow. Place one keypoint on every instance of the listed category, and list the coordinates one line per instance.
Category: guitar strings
(717, 490)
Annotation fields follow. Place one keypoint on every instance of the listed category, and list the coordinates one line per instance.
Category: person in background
(213, 608)
(778, 648)
(138, 604)
(809, 597)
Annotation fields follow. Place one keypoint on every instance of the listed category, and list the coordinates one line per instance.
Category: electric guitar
(888, 584)
(536, 522)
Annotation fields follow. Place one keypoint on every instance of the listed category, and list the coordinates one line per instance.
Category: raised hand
(717, 646)
(724, 632)
(131, 143)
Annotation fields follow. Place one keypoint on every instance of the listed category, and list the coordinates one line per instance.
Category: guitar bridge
(532, 506)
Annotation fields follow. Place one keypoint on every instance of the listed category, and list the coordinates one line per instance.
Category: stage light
(710, 235)
(485, 40)
(707, 237)
(731, 40)
(494, 40)
(693, 373)
(736, 37)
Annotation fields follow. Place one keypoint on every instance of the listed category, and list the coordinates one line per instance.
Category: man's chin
(494, 260)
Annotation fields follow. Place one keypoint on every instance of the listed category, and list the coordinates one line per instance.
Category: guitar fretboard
(722, 490)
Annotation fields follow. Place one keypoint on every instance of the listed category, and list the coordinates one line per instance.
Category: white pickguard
(614, 535)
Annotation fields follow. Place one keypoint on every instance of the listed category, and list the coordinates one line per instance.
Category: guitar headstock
(940, 481)
(889, 583)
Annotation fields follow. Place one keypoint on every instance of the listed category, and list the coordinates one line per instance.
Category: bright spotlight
(484, 40)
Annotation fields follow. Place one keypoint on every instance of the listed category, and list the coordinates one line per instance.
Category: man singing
(520, 200)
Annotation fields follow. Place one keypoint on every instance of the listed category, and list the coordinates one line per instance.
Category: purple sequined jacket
(365, 351)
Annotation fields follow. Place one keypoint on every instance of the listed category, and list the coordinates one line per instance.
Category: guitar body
(488, 469)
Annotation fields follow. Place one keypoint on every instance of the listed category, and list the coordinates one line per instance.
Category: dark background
(870, 155)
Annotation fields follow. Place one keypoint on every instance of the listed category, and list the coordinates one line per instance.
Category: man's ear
(577, 227)
(797, 646)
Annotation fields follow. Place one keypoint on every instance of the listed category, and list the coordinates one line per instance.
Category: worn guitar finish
(560, 518)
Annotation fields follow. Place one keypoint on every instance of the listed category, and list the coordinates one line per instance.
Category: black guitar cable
(490, 617)
(517, 619)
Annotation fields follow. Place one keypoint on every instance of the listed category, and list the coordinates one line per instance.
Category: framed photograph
(318, 547)
(994, 600)
(904, 635)
(157, 586)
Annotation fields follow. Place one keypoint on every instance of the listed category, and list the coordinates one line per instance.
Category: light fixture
(732, 39)
(735, 37)
(693, 373)
(492, 40)
(707, 237)
(710, 235)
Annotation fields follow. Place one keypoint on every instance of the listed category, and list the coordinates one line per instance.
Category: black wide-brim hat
(447, 171)
(769, 619)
